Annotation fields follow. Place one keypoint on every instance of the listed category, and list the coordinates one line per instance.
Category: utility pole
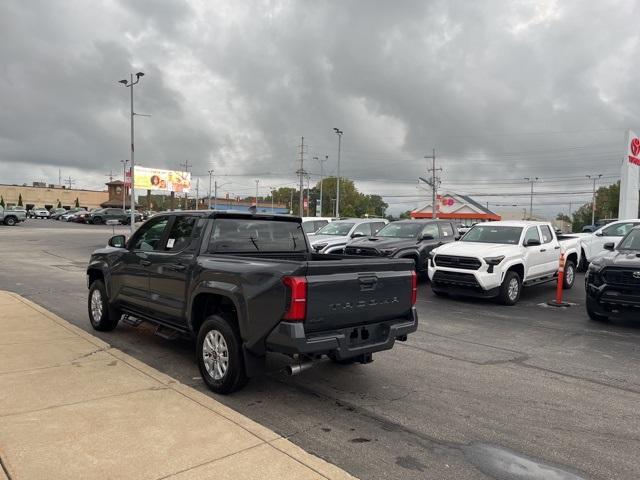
(322, 160)
(59, 176)
(197, 191)
(257, 183)
(272, 205)
(210, 175)
(291, 203)
(70, 181)
(215, 194)
(301, 173)
(186, 166)
(595, 178)
(110, 175)
(124, 186)
(308, 197)
(130, 85)
(339, 133)
(434, 183)
(531, 180)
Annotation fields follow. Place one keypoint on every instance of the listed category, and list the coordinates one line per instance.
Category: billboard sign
(162, 180)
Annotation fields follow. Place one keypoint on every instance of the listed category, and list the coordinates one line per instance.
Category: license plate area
(367, 335)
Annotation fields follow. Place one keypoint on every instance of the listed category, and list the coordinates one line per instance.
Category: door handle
(177, 268)
(543, 249)
(557, 247)
(145, 263)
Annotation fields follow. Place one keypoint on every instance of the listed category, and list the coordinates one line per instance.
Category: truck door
(534, 254)
(550, 250)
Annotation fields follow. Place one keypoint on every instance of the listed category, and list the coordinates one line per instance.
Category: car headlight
(493, 261)
(595, 267)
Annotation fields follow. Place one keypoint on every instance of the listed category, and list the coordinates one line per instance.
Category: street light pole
(321, 160)
(124, 180)
(257, 182)
(130, 85)
(272, 206)
(531, 180)
(595, 178)
(339, 133)
(210, 175)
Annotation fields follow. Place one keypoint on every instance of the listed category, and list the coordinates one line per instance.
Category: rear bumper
(290, 338)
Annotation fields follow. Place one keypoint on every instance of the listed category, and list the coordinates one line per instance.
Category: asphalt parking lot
(481, 391)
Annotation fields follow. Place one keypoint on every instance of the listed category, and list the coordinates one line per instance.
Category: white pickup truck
(593, 243)
(496, 259)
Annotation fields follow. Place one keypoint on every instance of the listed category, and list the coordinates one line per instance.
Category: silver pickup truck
(12, 217)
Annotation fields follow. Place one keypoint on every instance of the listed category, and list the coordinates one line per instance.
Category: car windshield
(401, 230)
(493, 234)
(631, 241)
(240, 235)
(336, 228)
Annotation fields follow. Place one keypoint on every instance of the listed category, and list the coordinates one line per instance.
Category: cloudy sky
(501, 89)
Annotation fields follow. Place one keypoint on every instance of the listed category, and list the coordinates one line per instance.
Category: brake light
(414, 288)
(298, 304)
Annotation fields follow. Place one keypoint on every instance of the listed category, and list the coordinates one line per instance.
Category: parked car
(313, 224)
(69, 216)
(593, 245)
(496, 259)
(56, 213)
(39, 212)
(81, 217)
(333, 237)
(412, 239)
(462, 229)
(102, 215)
(612, 281)
(12, 217)
(138, 216)
(277, 296)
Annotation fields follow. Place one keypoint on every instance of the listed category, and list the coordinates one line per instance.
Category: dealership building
(48, 196)
(463, 209)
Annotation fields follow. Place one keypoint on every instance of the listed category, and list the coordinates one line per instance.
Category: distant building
(41, 195)
(461, 208)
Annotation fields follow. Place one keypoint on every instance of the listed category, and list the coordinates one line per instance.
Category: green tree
(1, 201)
(20, 200)
(563, 217)
(405, 215)
(607, 199)
(77, 202)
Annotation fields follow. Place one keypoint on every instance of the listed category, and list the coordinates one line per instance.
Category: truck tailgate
(350, 292)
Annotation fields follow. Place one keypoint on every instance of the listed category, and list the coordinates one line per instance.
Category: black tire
(109, 316)
(234, 376)
(583, 265)
(506, 295)
(569, 278)
(440, 293)
(96, 220)
(10, 221)
(593, 315)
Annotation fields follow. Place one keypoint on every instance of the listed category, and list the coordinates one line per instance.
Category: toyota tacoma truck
(243, 285)
(12, 217)
(612, 281)
(496, 259)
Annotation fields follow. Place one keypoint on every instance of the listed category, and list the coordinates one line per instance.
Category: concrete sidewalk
(73, 407)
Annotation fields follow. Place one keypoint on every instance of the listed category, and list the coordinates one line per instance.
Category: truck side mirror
(532, 242)
(610, 246)
(117, 241)
(427, 236)
(357, 235)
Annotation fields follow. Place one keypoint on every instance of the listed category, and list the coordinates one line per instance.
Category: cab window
(618, 230)
(362, 229)
(431, 229)
(532, 234)
(180, 235)
(547, 236)
(447, 230)
(148, 237)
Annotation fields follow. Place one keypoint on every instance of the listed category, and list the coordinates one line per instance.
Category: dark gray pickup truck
(243, 285)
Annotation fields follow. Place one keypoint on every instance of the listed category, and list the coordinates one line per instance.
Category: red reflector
(298, 305)
(414, 288)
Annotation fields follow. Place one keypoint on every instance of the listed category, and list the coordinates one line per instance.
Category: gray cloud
(500, 90)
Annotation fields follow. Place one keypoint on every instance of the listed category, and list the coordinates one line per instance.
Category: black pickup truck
(243, 285)
(612, 281)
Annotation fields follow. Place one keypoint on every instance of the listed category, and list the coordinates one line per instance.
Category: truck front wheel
(103, 317)
(510, 288)
(569, 275)
(220, 358)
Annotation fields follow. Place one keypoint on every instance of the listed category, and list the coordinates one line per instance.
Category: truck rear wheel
(103, 317)
(10, 221)
(220, 359)
(510, 288)
(569, 275)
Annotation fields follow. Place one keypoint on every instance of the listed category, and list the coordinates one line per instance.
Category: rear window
(232, 235)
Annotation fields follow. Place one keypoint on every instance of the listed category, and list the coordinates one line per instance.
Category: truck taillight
(414, 288)
(298, 305)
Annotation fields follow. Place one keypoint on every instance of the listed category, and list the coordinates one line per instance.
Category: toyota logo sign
(636, 274)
